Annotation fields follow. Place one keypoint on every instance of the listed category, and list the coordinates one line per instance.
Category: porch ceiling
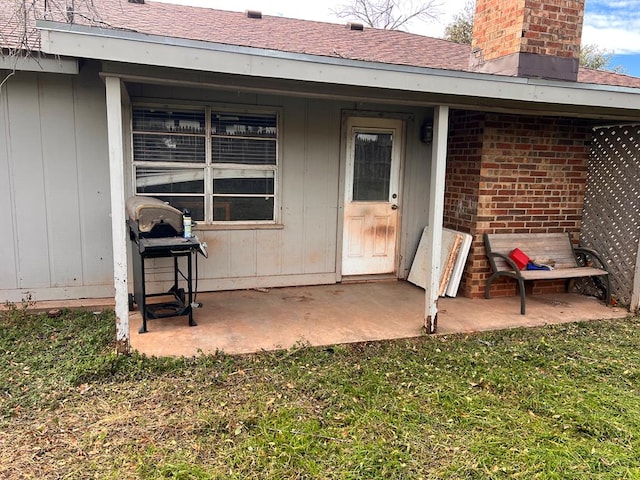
(245, 321)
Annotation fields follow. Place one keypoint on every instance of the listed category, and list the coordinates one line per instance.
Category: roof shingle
(269, 32)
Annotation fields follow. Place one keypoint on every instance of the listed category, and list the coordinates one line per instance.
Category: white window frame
(208, 166)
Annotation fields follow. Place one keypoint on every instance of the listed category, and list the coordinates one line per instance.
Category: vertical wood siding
(93, 178)
(56, 194)
(28, 186)
(59, 165)
(9, 270)
(54, 189)
(292, 172)
(415, 208)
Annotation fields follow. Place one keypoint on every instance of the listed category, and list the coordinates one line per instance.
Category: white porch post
(635, 294)
(436, 212)
(118, 219)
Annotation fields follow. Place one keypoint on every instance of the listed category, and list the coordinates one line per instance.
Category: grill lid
(150, 212)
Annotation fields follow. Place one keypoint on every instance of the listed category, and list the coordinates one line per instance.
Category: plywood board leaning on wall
(455, 248)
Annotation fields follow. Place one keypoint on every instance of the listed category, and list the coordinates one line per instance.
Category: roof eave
(37, 62)
(136, 48)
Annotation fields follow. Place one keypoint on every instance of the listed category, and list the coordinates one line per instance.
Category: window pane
(169, 121)
(149, 147)
(237, 181)
(243, 150)
(242, 208)
(241, 124)
(372, 167)
(169, 180)
(194, 204)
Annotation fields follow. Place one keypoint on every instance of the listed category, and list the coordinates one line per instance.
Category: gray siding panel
(243, 254)
(217, 265)
(26, 160)
(320, 195)
(8, 271)
(315, 235)
(93, 179)
(55, 194)
(293, 175)
(57, 124)
(415, 193)
(269, 258)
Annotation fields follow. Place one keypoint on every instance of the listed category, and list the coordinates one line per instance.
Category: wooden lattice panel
(611, 223)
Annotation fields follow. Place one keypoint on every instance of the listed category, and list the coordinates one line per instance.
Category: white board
(418, 274)
(458, 269)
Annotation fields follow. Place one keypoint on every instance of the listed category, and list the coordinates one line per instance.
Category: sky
(612, 25)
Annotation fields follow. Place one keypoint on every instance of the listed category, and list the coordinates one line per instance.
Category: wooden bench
(570, 262)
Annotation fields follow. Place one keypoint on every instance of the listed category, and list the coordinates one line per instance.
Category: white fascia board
(136, 48)
(39, 64)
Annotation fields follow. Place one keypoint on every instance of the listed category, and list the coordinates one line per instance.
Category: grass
(551, 403)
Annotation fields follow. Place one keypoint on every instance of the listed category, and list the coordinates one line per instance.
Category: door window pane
(372, 166)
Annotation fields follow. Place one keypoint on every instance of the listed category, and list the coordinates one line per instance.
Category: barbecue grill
(156, 231)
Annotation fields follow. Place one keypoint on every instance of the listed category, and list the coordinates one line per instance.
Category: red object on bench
(519, 257)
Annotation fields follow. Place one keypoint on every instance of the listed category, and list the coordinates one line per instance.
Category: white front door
(371, 204)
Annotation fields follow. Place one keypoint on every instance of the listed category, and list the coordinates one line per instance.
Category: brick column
(509, 173)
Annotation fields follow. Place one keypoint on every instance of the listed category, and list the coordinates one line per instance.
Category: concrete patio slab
(247, 321)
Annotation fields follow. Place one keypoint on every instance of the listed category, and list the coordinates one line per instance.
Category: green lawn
(554, 402)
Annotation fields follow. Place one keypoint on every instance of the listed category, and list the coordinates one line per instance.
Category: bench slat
(562, 273)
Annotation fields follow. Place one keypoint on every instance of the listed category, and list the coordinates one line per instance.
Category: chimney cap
(253, 13)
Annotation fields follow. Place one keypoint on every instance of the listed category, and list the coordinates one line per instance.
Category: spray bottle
(186, 223)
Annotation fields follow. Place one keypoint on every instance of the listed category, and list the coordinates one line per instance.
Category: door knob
(394, 207)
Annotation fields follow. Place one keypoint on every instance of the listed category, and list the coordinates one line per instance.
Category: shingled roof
(268, 32)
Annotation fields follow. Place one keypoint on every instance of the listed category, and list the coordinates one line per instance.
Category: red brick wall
(531, 177)
(497, 27)
(545, 27)
(553, 27)
(464, 156)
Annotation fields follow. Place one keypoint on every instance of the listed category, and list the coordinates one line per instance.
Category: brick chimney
(528, 38)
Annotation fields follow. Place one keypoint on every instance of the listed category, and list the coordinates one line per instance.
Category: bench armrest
(583, 254)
